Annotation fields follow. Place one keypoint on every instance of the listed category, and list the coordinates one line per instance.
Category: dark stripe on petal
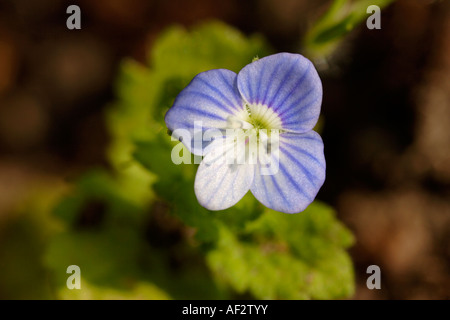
(300, 165)
(217, 189)
(225, 81)
(291, 107)
(295, 184)
(217, 91)
(232, 189)
(308, 138)
(201, 112)
(271, 77)
(304, 152)
(183, 124)
(265, 190)
(231, 88)
(249, 90)
(213, 100)
(280, 191)
(299, 82)
(282, 83)
(295, 121)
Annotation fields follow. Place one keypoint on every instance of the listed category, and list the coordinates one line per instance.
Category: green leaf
(102, 193)
(282, 256)
(207, 46)
(137, 291)
(326, 34)
(104, 258)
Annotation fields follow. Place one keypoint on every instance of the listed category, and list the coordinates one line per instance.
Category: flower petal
(206, 103)
(300, 174)
(218, 184)
(289, 84)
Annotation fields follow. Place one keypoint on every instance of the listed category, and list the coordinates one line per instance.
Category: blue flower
(276, 102)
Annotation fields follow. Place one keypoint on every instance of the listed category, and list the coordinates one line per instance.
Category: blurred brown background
(386, 110)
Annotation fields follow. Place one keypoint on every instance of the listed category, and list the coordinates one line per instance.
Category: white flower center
(253, 134)
(255, 116)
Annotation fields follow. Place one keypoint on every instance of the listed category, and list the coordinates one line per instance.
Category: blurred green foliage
(136, 229)
(327, 33)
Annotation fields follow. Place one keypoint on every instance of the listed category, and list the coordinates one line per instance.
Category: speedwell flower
(276, 102)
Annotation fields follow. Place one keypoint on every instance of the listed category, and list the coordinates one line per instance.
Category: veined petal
(206, 103)
(300, 174)
(288, 84)
(219, 184)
